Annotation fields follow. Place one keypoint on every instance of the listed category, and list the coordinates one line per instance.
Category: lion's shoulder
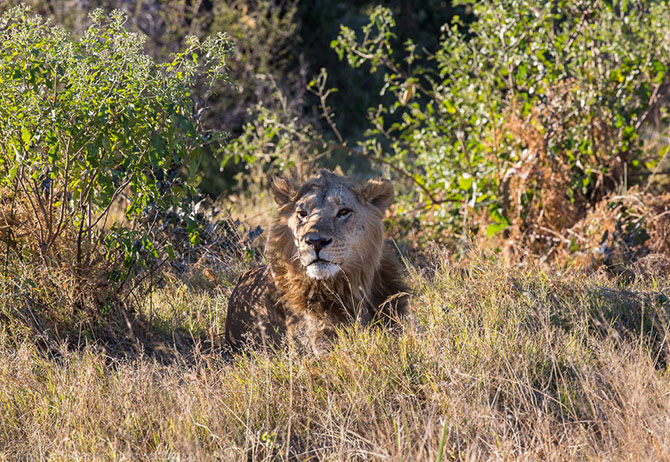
(389, 291)
(254, 309)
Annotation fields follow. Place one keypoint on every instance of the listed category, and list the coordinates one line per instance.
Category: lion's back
(254, 313)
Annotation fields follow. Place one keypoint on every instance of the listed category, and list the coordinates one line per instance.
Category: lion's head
(330, 227)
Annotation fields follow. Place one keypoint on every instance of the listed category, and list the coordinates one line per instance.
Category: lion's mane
(287, 300)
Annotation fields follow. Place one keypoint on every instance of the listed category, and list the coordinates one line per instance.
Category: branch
(323, 95)
(434, 200)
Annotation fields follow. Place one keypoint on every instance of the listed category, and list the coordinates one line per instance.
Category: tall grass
(497, 364)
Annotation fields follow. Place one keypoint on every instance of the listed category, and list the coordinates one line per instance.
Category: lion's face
(328, 226)
(335, 224)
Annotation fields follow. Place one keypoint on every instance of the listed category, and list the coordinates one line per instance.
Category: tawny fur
(280, 299)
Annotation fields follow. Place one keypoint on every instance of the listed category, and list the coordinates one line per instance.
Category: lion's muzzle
(315, 256)
(317, 241)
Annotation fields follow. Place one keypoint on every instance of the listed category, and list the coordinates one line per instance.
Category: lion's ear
(379, 193)
(283, 191)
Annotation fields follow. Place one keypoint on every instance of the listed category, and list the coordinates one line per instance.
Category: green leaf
(465, 182)
(495, 228)
(170, 251)
(26, 137)
(194, 237)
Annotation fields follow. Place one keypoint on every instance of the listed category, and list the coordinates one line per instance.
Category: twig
(323, 95)
(9, 230)
(343, 147)
(19, 177)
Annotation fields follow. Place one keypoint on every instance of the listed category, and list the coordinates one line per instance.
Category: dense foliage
(278, 46)
(520, 124)
(537, 113)
(85, 122)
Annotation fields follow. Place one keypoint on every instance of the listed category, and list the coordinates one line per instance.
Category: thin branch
(61, 219)
(19, 177)
(434, 200)
(10, 221)
(105, 212)
(325, 110)
(650, 106)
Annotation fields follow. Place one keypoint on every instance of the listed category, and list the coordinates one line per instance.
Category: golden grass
(497, 364)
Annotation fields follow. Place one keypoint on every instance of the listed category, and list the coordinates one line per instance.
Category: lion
(328, 265)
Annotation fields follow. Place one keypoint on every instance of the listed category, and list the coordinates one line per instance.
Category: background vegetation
(528, 144)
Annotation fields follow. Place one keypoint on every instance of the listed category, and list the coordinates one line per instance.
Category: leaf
(170, 251)
(465, 182)
(92, 150)
(26, 137)
(194, 237)
(495, 228)
(158, 150)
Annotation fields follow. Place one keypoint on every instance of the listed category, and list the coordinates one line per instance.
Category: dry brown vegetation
(498, 364)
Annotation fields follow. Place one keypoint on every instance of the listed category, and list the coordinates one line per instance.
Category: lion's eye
(343, 212)
(302, 213)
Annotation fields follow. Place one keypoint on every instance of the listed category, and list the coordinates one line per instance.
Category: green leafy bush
(85, 122)
(535, 115)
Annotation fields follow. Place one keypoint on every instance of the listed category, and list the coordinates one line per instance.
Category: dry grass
(497, 365)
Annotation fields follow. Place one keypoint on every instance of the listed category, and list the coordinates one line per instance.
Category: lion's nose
(317, 241)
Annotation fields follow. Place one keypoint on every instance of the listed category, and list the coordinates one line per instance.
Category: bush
(82, 123)
(518, 124)
(100, 147)
(533, 117)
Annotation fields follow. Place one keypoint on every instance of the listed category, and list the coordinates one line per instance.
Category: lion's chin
(322, 270)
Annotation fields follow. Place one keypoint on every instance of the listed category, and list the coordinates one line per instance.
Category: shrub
(100, 150)
(83, 123)
(519, 123)
(533, 117)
